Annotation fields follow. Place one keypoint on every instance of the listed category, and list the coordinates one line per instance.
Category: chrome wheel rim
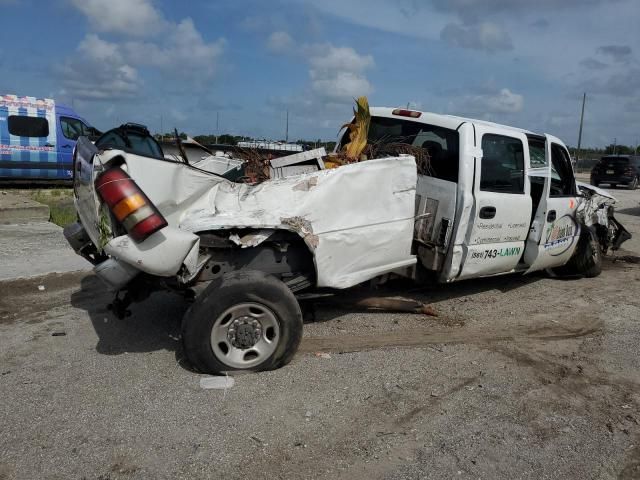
(245, 335)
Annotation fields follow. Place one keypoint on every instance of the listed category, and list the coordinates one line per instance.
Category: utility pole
(217, 126)
(161, 130)
(584, 99)
(615, 145)
(286, 134)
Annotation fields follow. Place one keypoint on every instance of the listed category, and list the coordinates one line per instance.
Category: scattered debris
(627, 259)
(389, 305)
(323, 355)
(217, 383)
(41, 288)
(58, 333)
(257, 440)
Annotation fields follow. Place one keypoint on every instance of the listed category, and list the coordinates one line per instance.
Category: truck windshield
(442, 144)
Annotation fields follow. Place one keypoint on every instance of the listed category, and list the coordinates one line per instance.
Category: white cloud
(328, 57)
(112, 69)
(182, 51)
(337, 73)
(99, 71)
(279, 42)
(482, 36)
(129, 17)
(486, 104)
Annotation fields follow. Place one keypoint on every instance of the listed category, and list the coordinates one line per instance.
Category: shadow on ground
(154, 324)
(629, 211)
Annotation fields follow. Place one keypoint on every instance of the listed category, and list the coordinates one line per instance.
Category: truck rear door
(554, 231)
(501, 214)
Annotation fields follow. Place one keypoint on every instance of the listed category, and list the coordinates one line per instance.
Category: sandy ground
(518, 377)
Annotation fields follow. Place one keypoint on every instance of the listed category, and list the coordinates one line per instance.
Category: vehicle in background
(276, 146)
(37, 138)
(617, 170)
(491, 200)
(136, 138)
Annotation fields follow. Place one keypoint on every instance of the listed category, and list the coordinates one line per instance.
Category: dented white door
(554, 231)
(501, 212)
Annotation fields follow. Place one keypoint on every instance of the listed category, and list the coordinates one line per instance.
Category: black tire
(633, 184)
(613, 185)
(232, 292)
(587, 259)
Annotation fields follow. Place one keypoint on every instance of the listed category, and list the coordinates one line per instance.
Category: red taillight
(129, 205)
(406, 113)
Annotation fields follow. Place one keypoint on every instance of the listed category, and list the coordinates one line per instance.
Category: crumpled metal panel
(357, 219)
(593, 207)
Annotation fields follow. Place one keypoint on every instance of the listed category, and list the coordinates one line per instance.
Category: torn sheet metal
(357, 220)
(595, 208)
(252, 239)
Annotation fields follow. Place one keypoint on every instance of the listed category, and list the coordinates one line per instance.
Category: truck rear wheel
(242, 321)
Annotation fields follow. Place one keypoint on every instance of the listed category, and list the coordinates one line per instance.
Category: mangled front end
(596, 210)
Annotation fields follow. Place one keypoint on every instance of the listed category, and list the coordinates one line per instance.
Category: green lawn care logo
(560, 235)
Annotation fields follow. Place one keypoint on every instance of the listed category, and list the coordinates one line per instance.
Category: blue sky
(517, 62)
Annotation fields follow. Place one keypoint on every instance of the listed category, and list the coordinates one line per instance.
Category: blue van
(37, 138)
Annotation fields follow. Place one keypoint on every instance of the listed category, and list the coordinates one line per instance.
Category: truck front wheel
(242, 321)
(587, 259)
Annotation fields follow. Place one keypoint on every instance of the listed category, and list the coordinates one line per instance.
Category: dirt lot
(519, 377)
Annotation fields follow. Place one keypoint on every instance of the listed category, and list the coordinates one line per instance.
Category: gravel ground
(518, 377)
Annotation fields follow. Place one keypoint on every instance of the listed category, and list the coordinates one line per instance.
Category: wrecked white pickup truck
(493, 200)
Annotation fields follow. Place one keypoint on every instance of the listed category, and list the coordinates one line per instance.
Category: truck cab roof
(442, 120)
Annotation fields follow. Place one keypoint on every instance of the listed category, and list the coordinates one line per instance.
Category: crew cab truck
(37, 138)
(492, 200)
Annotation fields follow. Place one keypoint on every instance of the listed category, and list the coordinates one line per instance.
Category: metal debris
(217, 383)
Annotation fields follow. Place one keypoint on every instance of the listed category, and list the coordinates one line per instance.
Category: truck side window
(562, 180)
(502, 167)
(72, 128)
(24, 126)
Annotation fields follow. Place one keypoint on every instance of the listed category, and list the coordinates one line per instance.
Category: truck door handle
(487, 212)
(551, 216)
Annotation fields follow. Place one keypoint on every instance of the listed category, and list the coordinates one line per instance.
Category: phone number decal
(495, 253)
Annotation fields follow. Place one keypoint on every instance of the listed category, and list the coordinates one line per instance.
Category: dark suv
(617, 169)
